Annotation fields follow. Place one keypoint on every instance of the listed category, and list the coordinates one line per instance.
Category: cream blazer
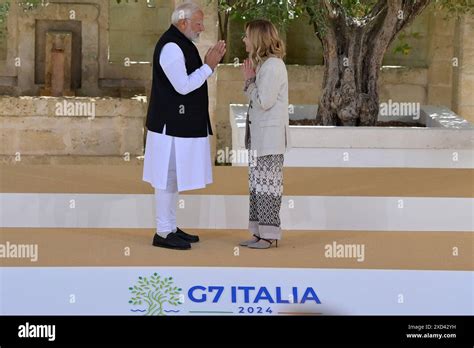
(268, 109)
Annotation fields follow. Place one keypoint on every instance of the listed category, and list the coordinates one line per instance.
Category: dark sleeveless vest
(185, 116)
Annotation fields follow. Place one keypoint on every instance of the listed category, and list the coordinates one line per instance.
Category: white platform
(231, 212)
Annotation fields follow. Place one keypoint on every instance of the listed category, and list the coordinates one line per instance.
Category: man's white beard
(193, 37)
(196, 39)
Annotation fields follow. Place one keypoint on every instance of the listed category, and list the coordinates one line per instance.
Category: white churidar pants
(172, 165)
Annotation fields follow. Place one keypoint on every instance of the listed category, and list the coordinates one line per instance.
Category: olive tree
(355, 35)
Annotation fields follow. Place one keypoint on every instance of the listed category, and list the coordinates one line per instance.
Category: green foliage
(282, 12)
(404, 40)
(358, 8)
(5, 5)
(4, 8)
(28, 5)
(455, 8)
(279, 12)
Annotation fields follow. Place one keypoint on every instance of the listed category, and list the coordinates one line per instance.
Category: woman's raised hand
(248, 70)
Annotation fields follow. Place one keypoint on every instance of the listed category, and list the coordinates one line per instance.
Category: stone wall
(37, 127)
(27, 121)
(440, 72)
(133, 33)
(126, 29)
(464, 74)
(20, 62)
(135, 27)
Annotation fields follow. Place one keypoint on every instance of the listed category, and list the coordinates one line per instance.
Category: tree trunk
(350, 96)
(353, 56)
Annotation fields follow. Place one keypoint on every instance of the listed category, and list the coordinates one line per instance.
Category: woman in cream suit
(267, 134)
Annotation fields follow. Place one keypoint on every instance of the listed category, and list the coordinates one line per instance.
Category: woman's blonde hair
(264, 41)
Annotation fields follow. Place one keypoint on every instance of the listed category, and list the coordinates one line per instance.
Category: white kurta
(193, 156)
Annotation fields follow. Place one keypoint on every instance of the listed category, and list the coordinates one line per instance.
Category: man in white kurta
(174, 164)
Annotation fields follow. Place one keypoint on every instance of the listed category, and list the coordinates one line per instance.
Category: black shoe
(172, 241)
(185, 236)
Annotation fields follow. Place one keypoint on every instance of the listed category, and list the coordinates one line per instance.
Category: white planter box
(446, 142)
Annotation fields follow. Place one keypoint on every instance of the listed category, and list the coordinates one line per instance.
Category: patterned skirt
(266, 189)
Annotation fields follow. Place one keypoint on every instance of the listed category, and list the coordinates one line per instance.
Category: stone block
(402, 93)
(440, 95)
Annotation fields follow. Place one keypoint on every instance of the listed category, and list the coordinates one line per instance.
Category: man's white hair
(184, 11)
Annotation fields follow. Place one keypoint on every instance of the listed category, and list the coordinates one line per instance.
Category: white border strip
(73, 210)
(370, 158)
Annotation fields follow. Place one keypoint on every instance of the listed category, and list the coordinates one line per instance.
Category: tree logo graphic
(155, 292)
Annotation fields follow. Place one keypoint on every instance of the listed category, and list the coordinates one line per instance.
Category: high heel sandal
(263, 243)
(250, 241)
